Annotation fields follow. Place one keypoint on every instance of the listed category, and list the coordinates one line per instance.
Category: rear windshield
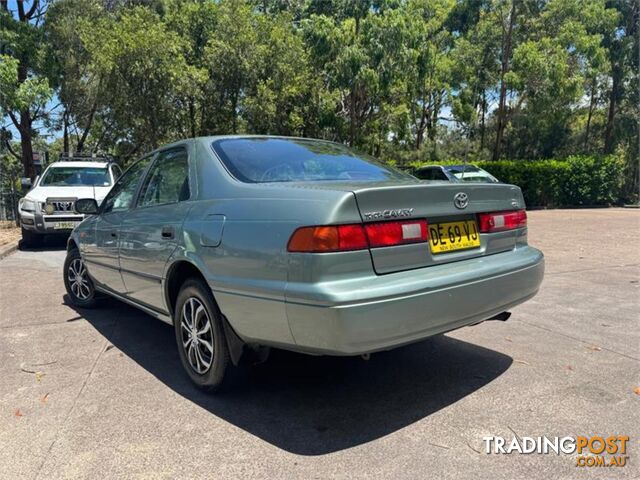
(471, 174)
(264, 160)
(63, 176)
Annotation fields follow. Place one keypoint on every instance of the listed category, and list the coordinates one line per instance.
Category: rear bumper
(386, 311)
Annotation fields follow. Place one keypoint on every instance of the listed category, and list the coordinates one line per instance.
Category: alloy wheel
(197, 335)
(79, 280)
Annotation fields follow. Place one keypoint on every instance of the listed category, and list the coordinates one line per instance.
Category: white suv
(49, 206)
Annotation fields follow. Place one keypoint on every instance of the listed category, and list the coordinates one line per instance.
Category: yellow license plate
(450, 236)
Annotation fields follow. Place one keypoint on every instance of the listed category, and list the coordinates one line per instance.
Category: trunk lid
(435, 202)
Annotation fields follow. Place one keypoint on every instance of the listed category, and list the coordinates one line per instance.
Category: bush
(574, 181)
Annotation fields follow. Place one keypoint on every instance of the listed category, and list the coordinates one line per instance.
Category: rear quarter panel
(237, 234)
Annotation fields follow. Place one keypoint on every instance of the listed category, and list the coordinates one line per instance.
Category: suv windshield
(263, 160)
(63, 176)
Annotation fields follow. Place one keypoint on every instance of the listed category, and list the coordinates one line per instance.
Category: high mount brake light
(342, 238)
(501, 221)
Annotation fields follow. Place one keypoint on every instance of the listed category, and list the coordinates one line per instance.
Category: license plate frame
(446, 237)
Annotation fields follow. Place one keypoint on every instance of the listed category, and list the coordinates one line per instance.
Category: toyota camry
(243, 243)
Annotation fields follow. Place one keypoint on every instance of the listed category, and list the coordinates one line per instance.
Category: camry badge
(461, 200)
(392, 213)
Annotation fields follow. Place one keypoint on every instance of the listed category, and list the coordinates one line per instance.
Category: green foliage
(14, 95)
(574, 181)
(406, 80)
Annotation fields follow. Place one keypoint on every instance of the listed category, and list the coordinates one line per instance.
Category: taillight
(500, 221)
(387, 234)
(336, 238)
(340, 238)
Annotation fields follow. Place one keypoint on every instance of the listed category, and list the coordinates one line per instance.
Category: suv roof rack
(86, 157)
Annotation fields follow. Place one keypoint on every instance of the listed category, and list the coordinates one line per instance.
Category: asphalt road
(100, 393)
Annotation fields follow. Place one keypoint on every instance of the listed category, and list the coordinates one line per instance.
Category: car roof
(212, 138)
(86, 164)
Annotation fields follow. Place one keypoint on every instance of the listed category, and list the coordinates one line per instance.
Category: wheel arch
(177, 273)
(71, 244)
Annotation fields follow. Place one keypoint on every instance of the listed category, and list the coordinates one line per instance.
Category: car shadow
(311, 405)
(47, 244)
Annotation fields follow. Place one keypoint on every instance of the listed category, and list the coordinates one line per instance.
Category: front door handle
(167, 232)
(114, 234)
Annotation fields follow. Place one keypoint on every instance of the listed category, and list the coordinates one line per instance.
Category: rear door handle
(167, 232)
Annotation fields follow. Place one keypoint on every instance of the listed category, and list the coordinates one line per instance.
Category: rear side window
(264, 160)
(167, 180)
(434, 173)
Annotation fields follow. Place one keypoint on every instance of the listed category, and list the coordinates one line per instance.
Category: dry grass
(7, 224)
(9, 233)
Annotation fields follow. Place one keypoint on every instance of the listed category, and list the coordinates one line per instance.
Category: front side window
(76, 176)
(167, 180)
(264, 160)
(122, 193)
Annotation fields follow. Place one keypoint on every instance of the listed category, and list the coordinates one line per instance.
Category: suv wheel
(77, 282)
(202, 345)
(31, 239)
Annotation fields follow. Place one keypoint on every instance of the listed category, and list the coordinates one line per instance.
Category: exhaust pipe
(503, 317)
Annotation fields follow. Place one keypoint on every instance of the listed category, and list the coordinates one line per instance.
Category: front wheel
(77, 282)
(31, 239)
(200, 336)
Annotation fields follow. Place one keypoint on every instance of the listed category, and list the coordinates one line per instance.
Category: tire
(208, 368)
(77, 282)
(31, 239)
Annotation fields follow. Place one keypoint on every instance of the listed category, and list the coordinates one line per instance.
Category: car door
(101, 256)
(150, 231)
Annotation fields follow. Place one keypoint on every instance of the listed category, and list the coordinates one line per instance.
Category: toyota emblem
(461, 200)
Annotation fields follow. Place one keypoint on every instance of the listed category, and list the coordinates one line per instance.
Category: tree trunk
(504, 69)
(65, 132)
(613, 99)
(87, 128)
(352, 116)
(422, 126)
(24, 128)
(27, 146)
(192, 118)
(591, 106)
(482, 119)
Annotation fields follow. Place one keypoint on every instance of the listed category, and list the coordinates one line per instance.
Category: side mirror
(88, 206)
(25, 182)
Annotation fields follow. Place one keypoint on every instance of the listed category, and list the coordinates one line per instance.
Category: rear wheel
(77, 282)
(200, 336)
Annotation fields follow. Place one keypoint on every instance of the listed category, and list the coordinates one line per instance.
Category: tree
(80, 88)
(25, 91)
(622, 43)
(145, 76)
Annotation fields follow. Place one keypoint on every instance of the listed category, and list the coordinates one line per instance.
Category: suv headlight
(27, 205)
